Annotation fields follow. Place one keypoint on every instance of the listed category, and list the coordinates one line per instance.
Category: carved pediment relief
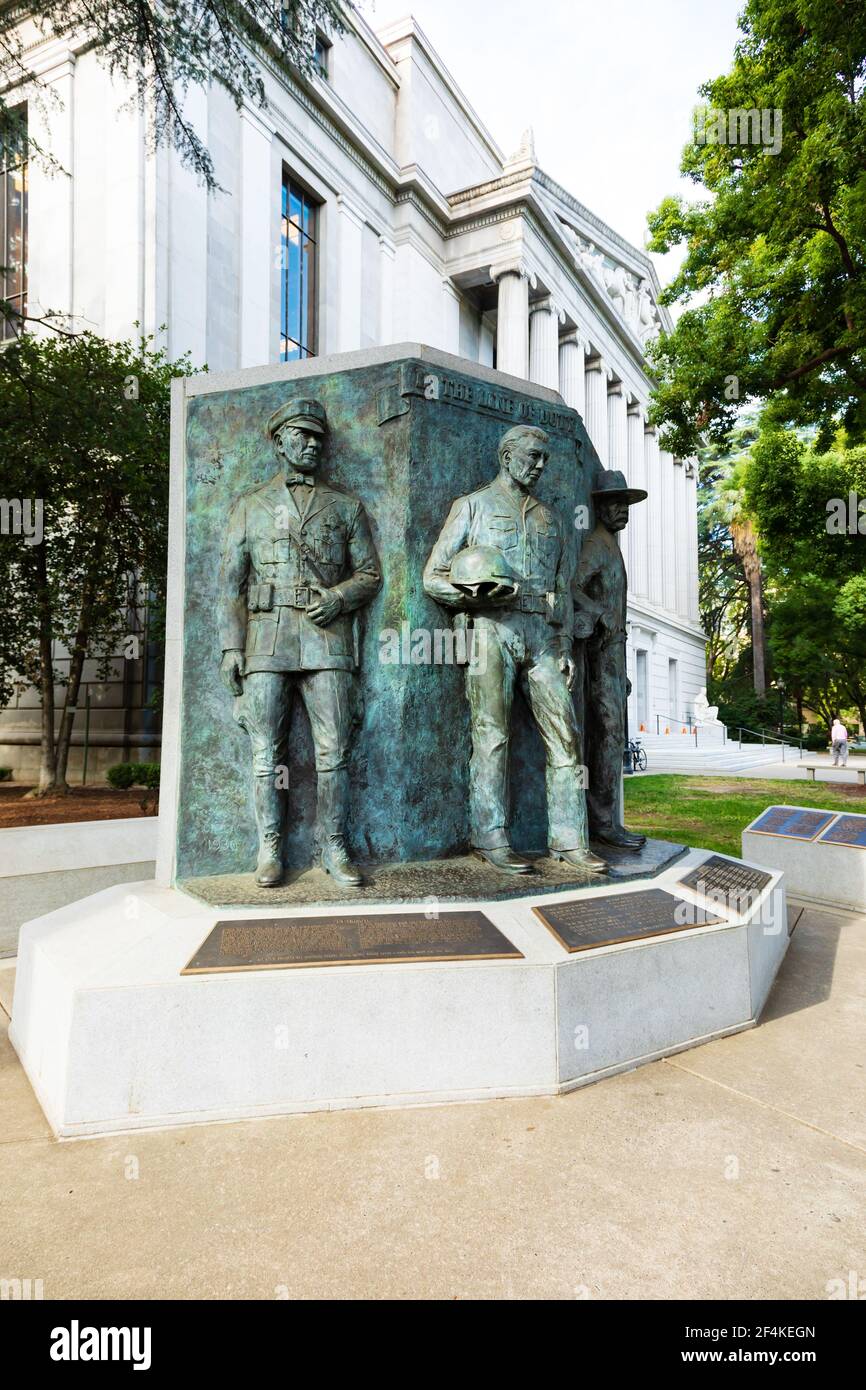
(630, 295)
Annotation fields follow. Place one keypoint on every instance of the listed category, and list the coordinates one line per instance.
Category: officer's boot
(269, 819)
(333, 810)
(619, 836)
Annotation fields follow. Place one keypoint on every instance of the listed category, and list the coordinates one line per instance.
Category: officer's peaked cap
(304, 415)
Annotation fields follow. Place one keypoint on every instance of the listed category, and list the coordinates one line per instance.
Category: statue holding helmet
(502, 564)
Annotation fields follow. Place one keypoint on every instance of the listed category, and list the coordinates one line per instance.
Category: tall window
(322, 56)
(298, 288)
(13, 222)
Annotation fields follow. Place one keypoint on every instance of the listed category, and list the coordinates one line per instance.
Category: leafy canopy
(815, 572)
(774, 277)
(84, 426)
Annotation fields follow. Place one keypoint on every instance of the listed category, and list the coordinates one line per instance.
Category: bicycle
(635, 755)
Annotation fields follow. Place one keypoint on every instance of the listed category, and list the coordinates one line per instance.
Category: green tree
(731, 579)
(84, 428)
(814, 555)
(774, 277)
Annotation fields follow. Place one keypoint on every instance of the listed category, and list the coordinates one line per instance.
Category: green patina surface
(404, 442)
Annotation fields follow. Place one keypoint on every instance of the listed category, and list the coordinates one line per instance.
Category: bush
(126, 775)
(817, 742)
(5, 774)
(122, 775)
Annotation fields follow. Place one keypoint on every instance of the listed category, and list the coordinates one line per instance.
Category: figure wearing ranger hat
(298, 562)
(502, 561)
(600, 593)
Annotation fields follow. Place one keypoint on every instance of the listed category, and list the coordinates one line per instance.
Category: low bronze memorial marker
(582, 923)
(388, 938)
(791, 823)
(848, 830)
(727, 883)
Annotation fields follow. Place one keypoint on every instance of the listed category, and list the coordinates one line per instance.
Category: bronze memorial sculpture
(600, 593)
(298, 561)
(502, 564)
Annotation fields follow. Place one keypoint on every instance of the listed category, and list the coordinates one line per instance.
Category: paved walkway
(788, 771)
(735, 1170)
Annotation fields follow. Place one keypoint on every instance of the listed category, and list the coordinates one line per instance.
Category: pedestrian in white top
(839, 737)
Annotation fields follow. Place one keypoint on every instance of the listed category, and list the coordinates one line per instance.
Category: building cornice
(366, 35)
(517, 194)
(660, 617)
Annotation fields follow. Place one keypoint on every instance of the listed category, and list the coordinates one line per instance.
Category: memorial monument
(387, 890)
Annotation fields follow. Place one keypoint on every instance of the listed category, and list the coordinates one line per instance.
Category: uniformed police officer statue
(600, 603)
(526, 630)
(298, 561)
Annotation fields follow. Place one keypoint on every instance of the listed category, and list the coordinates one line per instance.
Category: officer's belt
(533, 603)
(262, 598)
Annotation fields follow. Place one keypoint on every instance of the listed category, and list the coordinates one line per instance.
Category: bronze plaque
(283, 943)
(791, 823)
(848, 830)
(581, 923)
(727, 883)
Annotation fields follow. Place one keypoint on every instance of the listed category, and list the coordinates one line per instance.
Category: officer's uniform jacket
(529, 535)
(267, 578)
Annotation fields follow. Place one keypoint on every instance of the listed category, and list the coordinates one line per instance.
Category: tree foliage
(815, 569)
(84, 428)
(774, 277)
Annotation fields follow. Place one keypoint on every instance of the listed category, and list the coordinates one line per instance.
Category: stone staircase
(677, 752)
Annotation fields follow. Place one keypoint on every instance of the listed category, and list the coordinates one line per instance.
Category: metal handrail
(689, 720)
(769, 738)
(674, 718)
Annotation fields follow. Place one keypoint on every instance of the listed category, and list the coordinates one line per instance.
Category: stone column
(638, 568)
(512, 325)
(655, 579)
(187, 249)
(681, 549)
(596, 408)
(350, 227)
(49, 240)
(572, 385)
(693, 605)
(255, 206)
(617, 427)
(387, 253)
(669, 535)
(451, 317)
(544, 320)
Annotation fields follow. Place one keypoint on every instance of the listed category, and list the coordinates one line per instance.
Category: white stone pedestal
(113, 1037)
(832, 875)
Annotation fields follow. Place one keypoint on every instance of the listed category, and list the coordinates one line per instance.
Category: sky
(608, 86)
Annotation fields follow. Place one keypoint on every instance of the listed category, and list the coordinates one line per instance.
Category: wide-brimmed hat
(611, 484)
(305, 415)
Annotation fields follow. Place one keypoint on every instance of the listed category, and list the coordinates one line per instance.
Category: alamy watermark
(846, 516)
(424, 646)
(22, 516)
(739, 126)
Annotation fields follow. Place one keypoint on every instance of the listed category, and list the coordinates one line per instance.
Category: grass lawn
(711, 812)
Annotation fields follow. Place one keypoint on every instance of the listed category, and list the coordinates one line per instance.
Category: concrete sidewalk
(736, 1170)
(783, 772)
